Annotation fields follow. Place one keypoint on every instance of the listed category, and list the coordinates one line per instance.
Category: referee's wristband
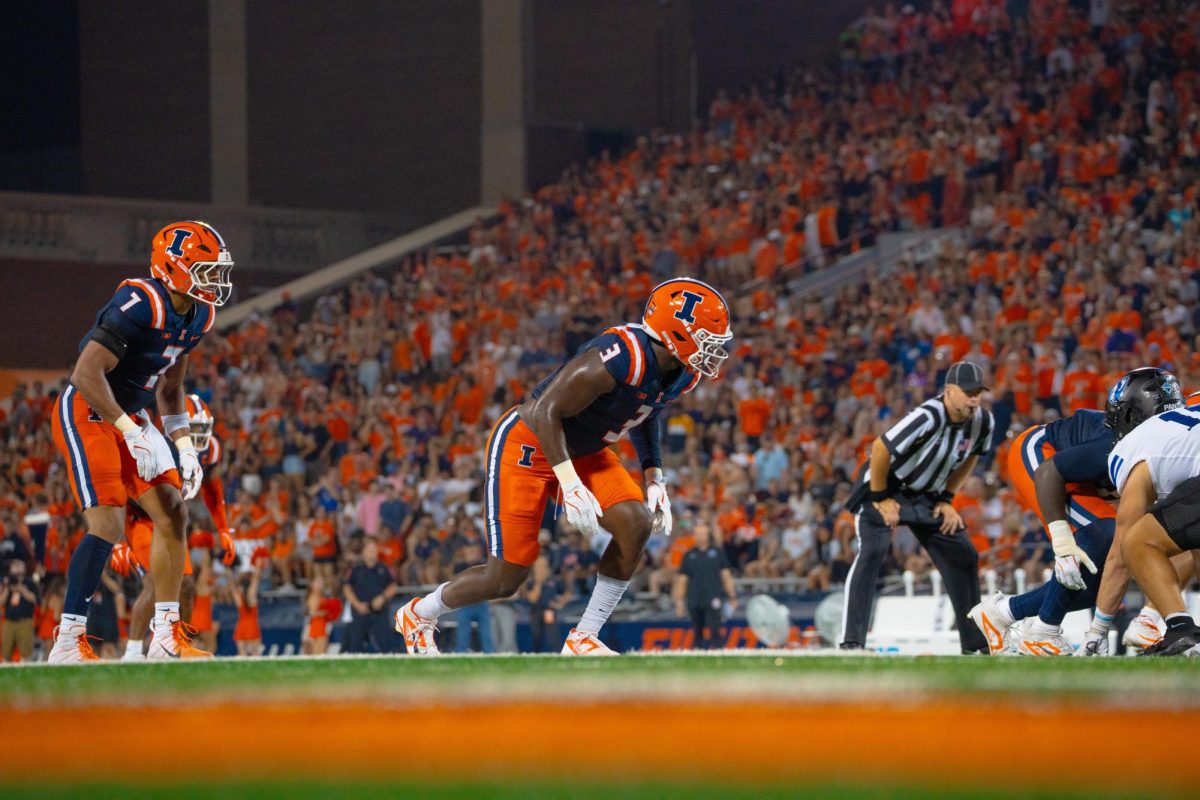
(946, 497)
(880, 496)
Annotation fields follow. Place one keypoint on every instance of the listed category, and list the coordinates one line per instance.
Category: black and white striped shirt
(926, 447)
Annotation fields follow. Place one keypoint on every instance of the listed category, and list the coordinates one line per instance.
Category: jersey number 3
(613, 436)
(170, 353)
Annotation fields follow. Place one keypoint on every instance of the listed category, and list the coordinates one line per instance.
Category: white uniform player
(1156, 469)
(1143, 410)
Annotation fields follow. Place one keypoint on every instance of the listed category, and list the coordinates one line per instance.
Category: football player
(1060, 471)
(212, 488)
(137, 352)
(1157, 471)
(1150, 457)
(558, 443)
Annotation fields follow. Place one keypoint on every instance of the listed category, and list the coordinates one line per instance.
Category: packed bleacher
(1063, 144)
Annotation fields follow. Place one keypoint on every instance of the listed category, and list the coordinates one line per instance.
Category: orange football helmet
(200, 421)
(690, 319)
(191, 258)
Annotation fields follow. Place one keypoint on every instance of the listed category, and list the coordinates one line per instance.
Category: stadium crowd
(1062, 141)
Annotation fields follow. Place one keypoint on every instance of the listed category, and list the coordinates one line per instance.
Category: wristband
(654, 475)
(124, 424)
(566, 473)
(880, 496)
(184, 443)
(174, 422)
(1060, 534)
(946, 497)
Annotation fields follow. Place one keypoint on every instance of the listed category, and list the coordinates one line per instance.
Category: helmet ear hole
(678, 336)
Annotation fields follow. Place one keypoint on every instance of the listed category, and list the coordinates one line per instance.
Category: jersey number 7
(614, 436)
(171, 353)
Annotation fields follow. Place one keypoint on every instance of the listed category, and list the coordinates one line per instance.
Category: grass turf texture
(1124, 681)
(691, 726)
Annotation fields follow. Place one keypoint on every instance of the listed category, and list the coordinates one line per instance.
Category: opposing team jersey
(141, 315)
(212, 454)
(1168, 443)
(640, 393)
(1082, 443)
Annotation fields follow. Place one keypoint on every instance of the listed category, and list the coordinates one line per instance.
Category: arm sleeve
(1084, 463)
(903, 436)
(214, 499)
(647, 441)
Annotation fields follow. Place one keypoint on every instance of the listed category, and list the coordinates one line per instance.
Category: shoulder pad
(137, 299)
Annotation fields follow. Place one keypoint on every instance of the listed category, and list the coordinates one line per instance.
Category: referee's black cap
(966, 375)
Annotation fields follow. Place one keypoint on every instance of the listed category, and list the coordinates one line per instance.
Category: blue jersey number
(1186, 420)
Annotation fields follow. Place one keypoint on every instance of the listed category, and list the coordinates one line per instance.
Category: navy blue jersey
(155, 336)
(639, 395)
(1082, 443)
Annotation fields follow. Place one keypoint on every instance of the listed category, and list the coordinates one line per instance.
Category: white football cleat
(1145, 631)
(172, 639)
(71, 645)
(416, 630)
(1040, 639)
(585, 644)
(993, 619)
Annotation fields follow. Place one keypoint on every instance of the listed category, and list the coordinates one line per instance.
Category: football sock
(133, 646)
(83, 574)
(1152, 613)
(1026, 605)
(1101, 622)
(604, 599)
(431, 606)
(165, 614)
(1180, 621)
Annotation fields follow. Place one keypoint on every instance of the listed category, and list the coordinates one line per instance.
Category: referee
(910, 478)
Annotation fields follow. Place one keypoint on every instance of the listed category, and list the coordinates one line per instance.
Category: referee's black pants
(953, 555)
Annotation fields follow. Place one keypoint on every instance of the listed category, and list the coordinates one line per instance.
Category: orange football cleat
(417, 631)
(585, 644)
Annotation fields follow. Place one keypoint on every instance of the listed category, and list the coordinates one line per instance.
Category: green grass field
(459, 685)
(1151, 682)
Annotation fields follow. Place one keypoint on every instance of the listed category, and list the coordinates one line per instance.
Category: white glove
(583, 510)
(141, 448)
(658, 503)
(1068, 556)
(189, 470)
(1096, 644)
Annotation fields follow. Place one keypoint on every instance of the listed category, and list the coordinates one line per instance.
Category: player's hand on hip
(583, 510)
(889, 509)
(1068, 555)
(951, 520)
(141, 447)
(658, 503)
(190, 471)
